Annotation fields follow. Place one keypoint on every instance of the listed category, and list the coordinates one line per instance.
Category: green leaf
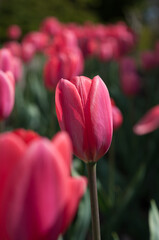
(154, 221)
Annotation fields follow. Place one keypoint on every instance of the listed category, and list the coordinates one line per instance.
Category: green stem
(91, 167)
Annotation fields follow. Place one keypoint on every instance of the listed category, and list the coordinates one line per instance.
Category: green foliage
(154, 221)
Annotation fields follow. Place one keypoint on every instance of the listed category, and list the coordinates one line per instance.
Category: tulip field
(79, 119)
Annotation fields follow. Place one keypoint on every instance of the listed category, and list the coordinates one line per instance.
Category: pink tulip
(38, 39)
(14, 32)
(148, 123)
(117, 116)
(14, 47)
(64, 64)
(84, 110)
(7, 93)
(38, 197)
(28, 51)
(51, 26)
(6, 60)
(129, 78)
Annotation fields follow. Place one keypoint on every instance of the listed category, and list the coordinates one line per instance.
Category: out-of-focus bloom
(6, 60)
(36, 187)
(51, 26)
(26, 135)
(109, 50)
(38, 39)
(7, 93)
(84, 110)
(117, 116)
(28, 51)
(149, 60)
(14, 32)
(148, 123)
(64, 64)
(14, 47)
(129, 78)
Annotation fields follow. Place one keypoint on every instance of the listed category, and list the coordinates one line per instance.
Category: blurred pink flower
(14, 47)
(129, 78)
(7, 94)
(38, 197)
(148, 123)
(14, 32)
(51, 26)
(66, 63)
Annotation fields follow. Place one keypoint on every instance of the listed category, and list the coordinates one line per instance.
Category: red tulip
(64, 64)
(14, 32)
(7, 93)
(117, 116)
(84, 110)
(36, 187)
(148, 123)
(38, 39)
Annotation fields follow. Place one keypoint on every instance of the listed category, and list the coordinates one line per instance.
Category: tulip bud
(84, 110)
(7, 92)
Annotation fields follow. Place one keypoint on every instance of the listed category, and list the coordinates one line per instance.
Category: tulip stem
(91, 167)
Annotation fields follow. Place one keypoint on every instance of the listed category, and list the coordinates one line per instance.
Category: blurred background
(128, 175)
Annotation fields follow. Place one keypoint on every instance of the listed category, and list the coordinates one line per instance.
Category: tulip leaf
(154, 221)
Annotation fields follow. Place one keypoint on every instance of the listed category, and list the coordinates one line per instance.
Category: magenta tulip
(38, 197)
(148, 123)
(84, 110)
(7, 93)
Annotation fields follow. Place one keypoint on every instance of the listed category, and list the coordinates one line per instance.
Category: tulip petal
(76, 188)
(6, 95)
(63, 144)
(70, 113)
(98, 115)
(83, 85)
(148, 123)
(12, 149)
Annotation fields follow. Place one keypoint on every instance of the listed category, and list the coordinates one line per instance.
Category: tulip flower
(67, 63)
(7, 93)
(14, 47)
(117, 116)
(84, 110)
(129, 78)
(36, 187)
(51, 26)
(14, 32)
(148, 123)
(6, 60)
